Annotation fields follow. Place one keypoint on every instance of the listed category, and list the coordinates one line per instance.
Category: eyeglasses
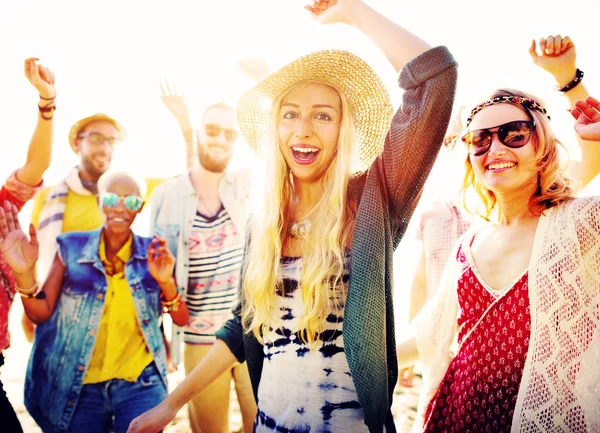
(132, 202)
(215, 130)
(97, 139)
(512, 134)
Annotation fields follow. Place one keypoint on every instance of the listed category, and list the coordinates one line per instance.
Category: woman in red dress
(511, 342)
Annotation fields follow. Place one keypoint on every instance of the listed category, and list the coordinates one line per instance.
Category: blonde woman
(315, 319)
(521, 294)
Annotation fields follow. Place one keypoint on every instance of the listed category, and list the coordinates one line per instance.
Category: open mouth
(500, 166)
(305, 154)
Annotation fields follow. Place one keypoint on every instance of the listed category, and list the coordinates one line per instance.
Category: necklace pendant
(298, 230)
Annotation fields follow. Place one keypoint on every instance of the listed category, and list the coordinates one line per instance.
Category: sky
(109, 57)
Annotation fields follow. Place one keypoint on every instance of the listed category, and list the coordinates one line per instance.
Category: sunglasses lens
(110, 199)
(133, 202)
(230, 135)
(515, 134)
(212, 130)
(478, 142)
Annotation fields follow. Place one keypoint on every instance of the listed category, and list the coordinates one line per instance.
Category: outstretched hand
(587, 116)
(161, 261)
(40, 77)
(331, 11)
(557, 57)
(174, 100)
(19, 252)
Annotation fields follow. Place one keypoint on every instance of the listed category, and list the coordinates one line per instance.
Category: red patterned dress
(479, 391)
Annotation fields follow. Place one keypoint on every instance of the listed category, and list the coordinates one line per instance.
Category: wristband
(574, 82)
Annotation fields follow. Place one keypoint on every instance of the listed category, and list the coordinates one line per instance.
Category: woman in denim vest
(98, 358)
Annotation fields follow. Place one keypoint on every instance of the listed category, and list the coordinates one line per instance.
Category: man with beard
(201, 214)
(72, 204)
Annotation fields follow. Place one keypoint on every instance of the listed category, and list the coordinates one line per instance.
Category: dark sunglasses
(96, 139)
(215, 130)
(512, 134)
(132, 202)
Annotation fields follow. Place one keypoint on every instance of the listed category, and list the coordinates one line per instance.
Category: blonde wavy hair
(323, 249)
(554, 187)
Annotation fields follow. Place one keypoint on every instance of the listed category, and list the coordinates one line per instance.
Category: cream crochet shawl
(560, 388)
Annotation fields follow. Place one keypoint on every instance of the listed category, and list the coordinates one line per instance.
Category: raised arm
(178, 107)
(40, 146)
(21, 255)
(558, 57)
(418, 127)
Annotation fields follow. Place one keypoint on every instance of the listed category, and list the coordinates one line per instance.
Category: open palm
(161, 261)
(19, 252)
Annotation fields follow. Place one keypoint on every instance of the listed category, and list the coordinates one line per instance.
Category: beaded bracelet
(574, 82)
(34, 292)
(47, 109)
(173, 304)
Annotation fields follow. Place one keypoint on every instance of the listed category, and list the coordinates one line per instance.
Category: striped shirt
(215, 250)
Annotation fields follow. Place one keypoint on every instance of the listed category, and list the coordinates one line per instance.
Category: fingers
(10, 222)
(15, 216)
(593, 102)
(550, 45)
(33, 235)
(532, 50)
(567, 43)
(542, 44)
(3, 226)
(575, 113)
(557, 44)
(588, 111)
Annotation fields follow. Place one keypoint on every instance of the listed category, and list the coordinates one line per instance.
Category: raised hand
(161, 261)
(587, 116)
(19, 252)
(406, 376)
(255, 68)
(154, 420)
(557, 57)
(331, 11)
(40, 77)
(174, 100)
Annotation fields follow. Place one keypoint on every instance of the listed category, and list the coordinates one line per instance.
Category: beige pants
(209, 410)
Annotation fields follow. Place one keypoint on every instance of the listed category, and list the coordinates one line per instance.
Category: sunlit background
(109, 56)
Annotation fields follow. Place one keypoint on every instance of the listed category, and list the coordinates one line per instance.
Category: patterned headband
(528, 103)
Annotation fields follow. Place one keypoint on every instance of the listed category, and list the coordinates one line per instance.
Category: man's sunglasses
(132, 202)
(512, 134)
(215, 130)
(97, 139)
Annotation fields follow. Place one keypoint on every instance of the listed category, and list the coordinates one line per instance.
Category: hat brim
(351, 76)
(99, 117)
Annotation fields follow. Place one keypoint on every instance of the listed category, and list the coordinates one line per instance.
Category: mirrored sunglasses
(512, 134)
(132, 202)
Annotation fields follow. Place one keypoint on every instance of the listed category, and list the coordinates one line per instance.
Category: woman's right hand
(153, 420)
(20, 253)
(587, 116)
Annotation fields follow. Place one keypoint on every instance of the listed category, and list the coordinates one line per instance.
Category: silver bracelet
(34, 292)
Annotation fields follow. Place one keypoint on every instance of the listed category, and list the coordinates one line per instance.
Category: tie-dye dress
(301, 390)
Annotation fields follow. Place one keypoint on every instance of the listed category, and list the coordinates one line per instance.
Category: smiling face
(119, 218)
(95, 154)
(308, 129)
(216, 137)
(503, 169)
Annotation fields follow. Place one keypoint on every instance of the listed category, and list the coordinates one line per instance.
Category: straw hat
(349, 75)
(98, 117)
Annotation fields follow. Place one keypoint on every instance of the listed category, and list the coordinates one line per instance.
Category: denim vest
(63, 345)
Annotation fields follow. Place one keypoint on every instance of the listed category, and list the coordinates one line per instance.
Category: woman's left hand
(332, 11)
(161, 262)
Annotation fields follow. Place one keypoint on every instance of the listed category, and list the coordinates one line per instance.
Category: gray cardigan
(386, 197)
